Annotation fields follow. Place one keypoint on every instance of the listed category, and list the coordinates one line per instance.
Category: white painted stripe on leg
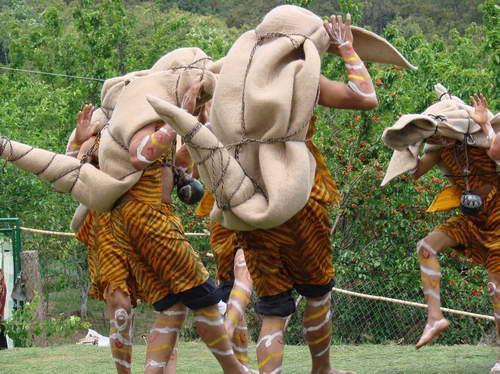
(210, 322)
(317, 327)
(173, 313)
(118, 337)
(240, 349)
(276, 371)
(156, 364)
(497, 316)
(268, 339)
(123, 363)
(216, 351)
(430, 271)
(165, 330)
(432, 293)
(326, 350)
(236, 305)
(243, 286)
(423, 245)
(321, 302)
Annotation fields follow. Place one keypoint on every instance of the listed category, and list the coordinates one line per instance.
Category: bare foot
(495, 369)
(432, 331)
(335, 371)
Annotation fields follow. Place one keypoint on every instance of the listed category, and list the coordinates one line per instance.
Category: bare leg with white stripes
(430, 271)
(163, 337)
(318, 333)
(172, 361)
(240, 342)
(271, 344)
(239, 298)
(120, 332)
(494, 291)
(210, 327)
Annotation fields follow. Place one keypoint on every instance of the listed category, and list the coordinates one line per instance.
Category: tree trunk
(32, 281)
(84, 296)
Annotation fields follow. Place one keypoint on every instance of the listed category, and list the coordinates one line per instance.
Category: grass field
(194, 358)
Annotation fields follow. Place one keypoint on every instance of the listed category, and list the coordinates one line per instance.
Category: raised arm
(480, 116)
(359, 92)
(426, 163)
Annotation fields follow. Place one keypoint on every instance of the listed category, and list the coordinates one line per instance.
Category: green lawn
(194, 358)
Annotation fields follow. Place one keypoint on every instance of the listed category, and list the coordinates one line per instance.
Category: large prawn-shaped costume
(255, 159)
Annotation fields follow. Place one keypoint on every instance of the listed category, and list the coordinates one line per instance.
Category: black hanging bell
(471, 203)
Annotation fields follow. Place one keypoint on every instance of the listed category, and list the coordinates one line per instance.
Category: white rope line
(410, 303)
(58, 233)
(334, 289)
(51, 74)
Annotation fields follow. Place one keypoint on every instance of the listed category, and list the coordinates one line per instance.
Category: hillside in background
(432, 16)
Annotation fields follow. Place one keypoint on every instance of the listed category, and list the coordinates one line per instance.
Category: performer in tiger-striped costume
(297, 254)
(476, 235)
(109, 269)
(233, 277)
(145, 227)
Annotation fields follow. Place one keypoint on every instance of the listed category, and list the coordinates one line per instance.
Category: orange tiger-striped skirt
(162, 260)
(478, 236)
(108, 266)
(299, 251)
(223, 241)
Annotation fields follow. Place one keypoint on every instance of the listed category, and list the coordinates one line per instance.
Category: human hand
(339, 32)
(480, 113)
(191, 97)
(84, 128)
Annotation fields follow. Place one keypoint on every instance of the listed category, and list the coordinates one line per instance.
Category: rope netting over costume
(363, 311)
(217, 188)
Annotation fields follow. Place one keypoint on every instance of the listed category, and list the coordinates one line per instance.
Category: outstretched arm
(480, 116)
(359, 92)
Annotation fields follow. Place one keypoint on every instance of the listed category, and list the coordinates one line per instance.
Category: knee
(425, 250)
(281, 305)
(119, 300)
(493, 291)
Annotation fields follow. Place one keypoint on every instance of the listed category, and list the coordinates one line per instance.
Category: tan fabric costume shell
(256, 161)
(131, 113)
(449, 117)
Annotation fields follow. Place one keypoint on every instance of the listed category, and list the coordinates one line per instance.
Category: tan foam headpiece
(449, 117)
(267, 89)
